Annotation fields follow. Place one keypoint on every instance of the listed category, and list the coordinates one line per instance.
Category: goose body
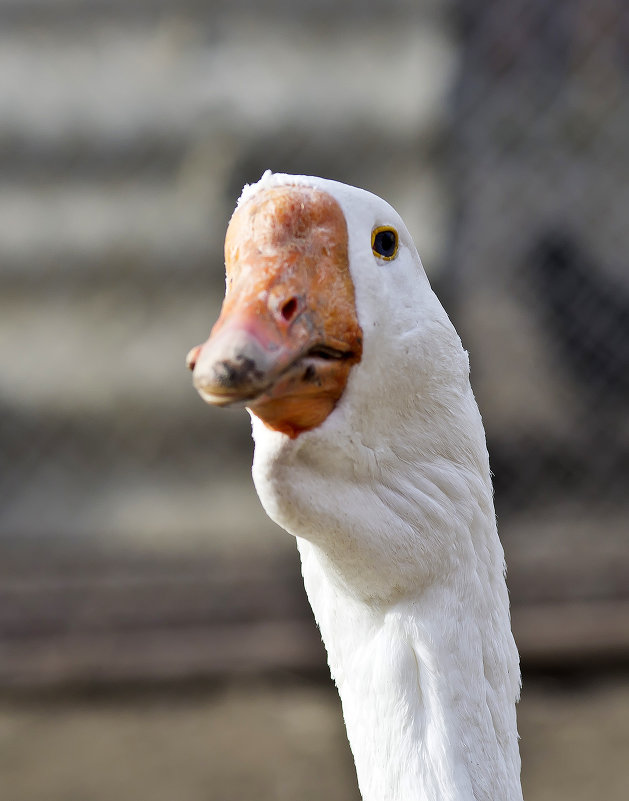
(370, 450)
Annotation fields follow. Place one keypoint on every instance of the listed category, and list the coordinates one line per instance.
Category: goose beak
(288, 333)
(246, 355)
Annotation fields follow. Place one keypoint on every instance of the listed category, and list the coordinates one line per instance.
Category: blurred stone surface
(126, 133)
(269, 744)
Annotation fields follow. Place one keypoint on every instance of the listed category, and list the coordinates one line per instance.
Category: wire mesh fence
(540, 166)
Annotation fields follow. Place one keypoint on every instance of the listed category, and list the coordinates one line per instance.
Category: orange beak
(288, 333)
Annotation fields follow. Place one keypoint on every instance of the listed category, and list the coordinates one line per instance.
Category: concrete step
(97, 354)
(78, 226)
(133, 141)
(118, 83)
(20, 12)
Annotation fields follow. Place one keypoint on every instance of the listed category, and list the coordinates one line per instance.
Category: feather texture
(390, 500)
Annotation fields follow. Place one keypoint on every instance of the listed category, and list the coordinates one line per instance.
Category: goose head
(327, 313)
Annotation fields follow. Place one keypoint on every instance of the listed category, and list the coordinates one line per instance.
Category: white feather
(390, 500)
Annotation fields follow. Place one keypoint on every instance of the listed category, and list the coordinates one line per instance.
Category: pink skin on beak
(288, 333)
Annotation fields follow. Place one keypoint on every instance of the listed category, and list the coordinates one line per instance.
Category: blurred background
(155, 640)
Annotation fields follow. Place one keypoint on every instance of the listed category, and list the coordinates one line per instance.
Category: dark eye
(384, 242)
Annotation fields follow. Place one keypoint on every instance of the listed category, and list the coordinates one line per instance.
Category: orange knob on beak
(288, 333)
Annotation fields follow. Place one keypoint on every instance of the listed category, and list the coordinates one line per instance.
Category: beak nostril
(192, 357)
(289, 309)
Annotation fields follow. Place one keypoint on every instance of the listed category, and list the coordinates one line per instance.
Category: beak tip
(229, 367)
(192, 357)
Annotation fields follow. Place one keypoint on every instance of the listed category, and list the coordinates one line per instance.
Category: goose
(370, 450)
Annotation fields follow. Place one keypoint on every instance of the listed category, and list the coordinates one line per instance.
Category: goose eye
(384, 242)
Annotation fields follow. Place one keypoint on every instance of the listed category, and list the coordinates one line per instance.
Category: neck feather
(405, 574)
(428, 681)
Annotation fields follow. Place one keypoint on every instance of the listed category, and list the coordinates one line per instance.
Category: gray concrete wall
(126, 133)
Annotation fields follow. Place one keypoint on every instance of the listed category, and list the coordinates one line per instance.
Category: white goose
(370, 450)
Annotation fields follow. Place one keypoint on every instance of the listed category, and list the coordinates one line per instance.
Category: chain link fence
(540, 167)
